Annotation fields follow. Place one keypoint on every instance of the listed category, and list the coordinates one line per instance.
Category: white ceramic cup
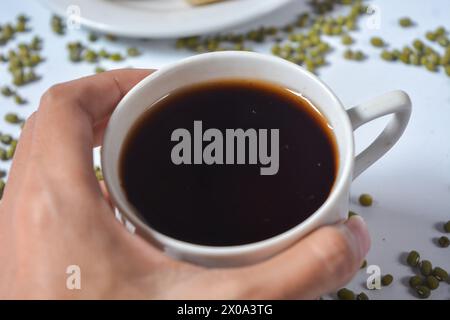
(221, 65)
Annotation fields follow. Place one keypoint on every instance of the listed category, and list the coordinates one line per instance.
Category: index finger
(69, 114)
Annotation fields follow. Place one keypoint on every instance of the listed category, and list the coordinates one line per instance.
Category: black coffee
(204, 200)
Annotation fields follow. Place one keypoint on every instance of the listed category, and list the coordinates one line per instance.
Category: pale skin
(54, 214)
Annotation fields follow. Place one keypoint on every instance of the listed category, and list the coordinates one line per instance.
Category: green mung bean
(377, 42)
(386, 280)
(310, 66)
(110, 37)
(443, 42)
(92, 37)
(22, 18)
(440, 274)
(432, 283)
(440, 31)
(133, 52)
(345, 294)
(447, 226)
(90, 56)
(116, 57)
(57, 25)
(36, 43)
(423, 292)
(418, 45)
(347, 40)
(99, 69)
(351, 214)
(276, 49)
(413, 258)
(444, 241)
(426, 267)
(98, 173)
(396, 53)
(19, 100)
(3, 155)
(2, 187)
(21, 26)
(348, 54)
(359, 56)
(431, 66)
(431, 36)
(405, 58)
(12, 118)
(414, 59)
(6, 139)
(365, 200)
(406, 22)
(388, 56)
(10, 152)
(7, 91)
(415, 281)
(103, 53)
(362, 296)
(364, 264)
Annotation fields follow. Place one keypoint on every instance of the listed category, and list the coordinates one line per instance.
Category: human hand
(54, 213)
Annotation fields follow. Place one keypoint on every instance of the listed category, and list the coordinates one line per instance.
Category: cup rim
(345, 170)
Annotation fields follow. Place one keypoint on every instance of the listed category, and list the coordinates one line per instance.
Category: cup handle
(397, 103)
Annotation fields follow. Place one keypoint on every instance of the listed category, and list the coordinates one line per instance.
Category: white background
(411, 185)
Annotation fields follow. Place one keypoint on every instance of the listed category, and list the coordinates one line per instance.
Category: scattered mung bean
(364, 264)
(365, 200)
(377, 42)
(413, 258)
(444, 241)
(99, 69)
(432, 283)
(415, 281)
(92, 37)
(11, 150)
(345, 294)
(90, 56)
(2, 187)
(116, 57)
(426, 267)
(98, 173)
(133, 52)
(440, 274)
(19, 100)
(3, 155)
(423, 292)
(362, 296)
(386, 280)
(110, 37)
(406, 22)
(431, 36)
(351, 214)
(6, 139)
(447, 227)
(12, 118)
(388, 56)
(7, 91)
(57, 25)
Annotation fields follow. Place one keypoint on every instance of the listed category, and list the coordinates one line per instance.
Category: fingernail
(358, 229)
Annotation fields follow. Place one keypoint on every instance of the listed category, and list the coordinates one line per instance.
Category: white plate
(163, 18)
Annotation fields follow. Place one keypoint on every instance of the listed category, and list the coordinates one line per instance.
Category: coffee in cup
(228, 162)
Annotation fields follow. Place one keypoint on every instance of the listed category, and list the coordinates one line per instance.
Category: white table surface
(411, 185)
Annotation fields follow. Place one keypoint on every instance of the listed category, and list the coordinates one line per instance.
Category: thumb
(320, 263)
